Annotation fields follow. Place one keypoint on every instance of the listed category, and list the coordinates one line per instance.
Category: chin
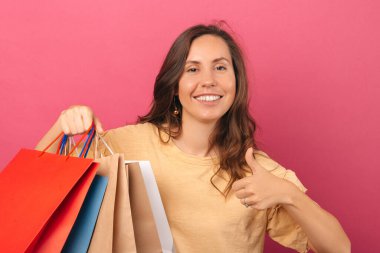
(210, 119)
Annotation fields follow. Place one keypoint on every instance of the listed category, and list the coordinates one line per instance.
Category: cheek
(186, 87)
(183, 94)
(181, 88)
(231, 88)
(230, 83)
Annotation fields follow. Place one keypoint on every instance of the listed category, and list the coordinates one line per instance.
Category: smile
(208, 98)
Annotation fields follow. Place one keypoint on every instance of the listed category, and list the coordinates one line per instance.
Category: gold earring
(176, 111)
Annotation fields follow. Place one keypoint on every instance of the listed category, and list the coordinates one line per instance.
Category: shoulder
(122, 138)
(264, 160)
(277, 169)
(136, 131)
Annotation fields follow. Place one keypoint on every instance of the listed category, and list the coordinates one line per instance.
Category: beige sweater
(200, 218)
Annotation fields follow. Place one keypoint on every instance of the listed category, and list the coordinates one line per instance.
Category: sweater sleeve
(280, 225)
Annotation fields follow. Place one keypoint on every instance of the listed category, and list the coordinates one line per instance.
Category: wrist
(291, 193)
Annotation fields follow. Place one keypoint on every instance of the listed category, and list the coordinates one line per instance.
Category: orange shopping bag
(40, 197)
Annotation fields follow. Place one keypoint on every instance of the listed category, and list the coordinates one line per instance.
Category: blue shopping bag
(80, 236)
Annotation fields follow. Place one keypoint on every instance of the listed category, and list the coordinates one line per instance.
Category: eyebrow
(215, 60)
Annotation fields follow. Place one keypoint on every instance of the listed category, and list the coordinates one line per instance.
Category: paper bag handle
(90, 132)
(99, 137)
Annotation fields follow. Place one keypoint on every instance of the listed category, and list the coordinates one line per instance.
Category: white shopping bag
(152, 231)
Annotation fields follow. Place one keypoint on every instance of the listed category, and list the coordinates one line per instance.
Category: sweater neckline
(186, 157)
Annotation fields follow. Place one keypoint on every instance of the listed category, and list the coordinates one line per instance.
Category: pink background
(313, 65)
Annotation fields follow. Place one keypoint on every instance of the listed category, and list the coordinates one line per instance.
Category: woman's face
(207, 86)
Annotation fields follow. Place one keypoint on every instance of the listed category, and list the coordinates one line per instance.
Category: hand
(78, 119)
(262, 190)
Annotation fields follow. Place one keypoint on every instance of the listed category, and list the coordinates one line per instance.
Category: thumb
(98, 125)
(252, 163)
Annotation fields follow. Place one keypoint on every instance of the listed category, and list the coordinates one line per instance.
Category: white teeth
(207, 98)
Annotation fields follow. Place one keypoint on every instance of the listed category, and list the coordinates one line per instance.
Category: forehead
(207, 48)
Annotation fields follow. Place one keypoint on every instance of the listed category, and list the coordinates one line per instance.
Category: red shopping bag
(40, 198)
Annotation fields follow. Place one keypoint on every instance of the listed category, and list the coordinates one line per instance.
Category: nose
(208, 79)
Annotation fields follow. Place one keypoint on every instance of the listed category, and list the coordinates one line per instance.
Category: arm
(264, 190)
(323, 230)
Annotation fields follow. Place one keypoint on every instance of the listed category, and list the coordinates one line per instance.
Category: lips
(207, 98)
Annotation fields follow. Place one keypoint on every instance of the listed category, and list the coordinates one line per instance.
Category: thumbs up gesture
(262, 190)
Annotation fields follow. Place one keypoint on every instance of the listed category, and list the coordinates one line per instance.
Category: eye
(221, 68)
(192, 70)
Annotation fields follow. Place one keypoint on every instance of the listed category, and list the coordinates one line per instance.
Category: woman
(219, 191)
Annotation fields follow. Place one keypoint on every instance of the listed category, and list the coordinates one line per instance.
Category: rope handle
(90, 132)
(97, 138)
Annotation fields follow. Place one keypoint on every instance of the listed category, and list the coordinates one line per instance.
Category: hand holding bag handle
(61, 147)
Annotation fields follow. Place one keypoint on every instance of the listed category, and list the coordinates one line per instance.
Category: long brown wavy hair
(234, 131)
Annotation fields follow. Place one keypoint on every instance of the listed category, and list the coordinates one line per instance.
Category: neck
(194, 138)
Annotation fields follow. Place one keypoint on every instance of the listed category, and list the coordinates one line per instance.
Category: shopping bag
(40, 197)
(124, 239)
(151, 227)
(103, 233)
(81, 233)
(139, 222)
(114, 229)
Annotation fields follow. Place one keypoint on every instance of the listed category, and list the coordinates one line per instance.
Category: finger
(86, 115)
(70, 122)
(78, 121)
(251, 161)
(64, 126)
(241, 194)
(248, 201)
(240, 184)
(243, 201)
(99, 127)
(258, 206)
(249, 158)
(252, 200)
